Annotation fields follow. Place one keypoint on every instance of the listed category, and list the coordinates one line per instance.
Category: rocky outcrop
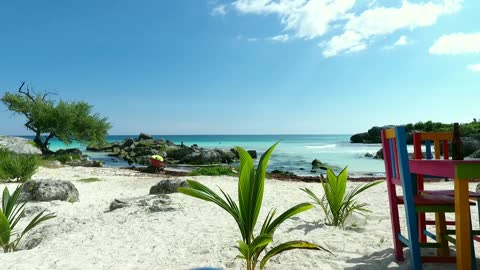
(49, 190)
(373, 135)
(139, 150)
(317, 164)
(168, 186)
(19, 145)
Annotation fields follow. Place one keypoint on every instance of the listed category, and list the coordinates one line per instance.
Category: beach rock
(379, 154)
(49, 190)
(144, 136)
(127, 142)
(253, 153)
(180, 153)
(317, 164)
(226, 156)
(153, 203)
(19, 145)
(85, 163)
(369, 155)
(168, 186)
(204, 156)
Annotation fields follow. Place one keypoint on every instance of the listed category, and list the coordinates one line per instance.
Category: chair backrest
(397, 171)
(439, 139)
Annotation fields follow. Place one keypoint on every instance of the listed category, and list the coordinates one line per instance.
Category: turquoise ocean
(294, 153)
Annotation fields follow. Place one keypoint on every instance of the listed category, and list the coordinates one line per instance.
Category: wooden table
(461, 171)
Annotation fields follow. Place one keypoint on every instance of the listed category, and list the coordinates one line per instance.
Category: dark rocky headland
(471, 140)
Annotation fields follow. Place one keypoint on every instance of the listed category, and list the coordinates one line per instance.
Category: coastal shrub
(337, 204)
(250, 195)
(11, 213)
(213, 171)
(17, 167)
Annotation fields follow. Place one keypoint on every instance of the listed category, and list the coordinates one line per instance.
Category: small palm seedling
(337, 204)
(250, 195)
(10, 214)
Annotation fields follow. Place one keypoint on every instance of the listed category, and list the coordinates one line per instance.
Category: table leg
(462, 223)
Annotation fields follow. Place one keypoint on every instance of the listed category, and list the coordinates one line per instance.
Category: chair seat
(427, 199)
(471, 194)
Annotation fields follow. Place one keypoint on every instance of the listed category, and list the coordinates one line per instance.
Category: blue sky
(244, 66)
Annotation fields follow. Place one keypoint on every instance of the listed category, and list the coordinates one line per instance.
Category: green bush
(11, 212)
(17, 167)
(337, 204)
(213, 171)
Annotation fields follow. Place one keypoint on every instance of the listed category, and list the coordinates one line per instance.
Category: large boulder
(85, 163)
(179, 153)
(49, 190)
(317, 164)
(379, 154)
(168, 186)
(99, 148)
(127, 142)
(226, 155)
(204, 156)
(154, 203)
(144, 136)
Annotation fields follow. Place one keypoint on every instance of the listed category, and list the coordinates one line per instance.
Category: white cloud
(402, 41)
(280, 38)
(474, 67)
(305, 18)
(220, 10)
(380, 21)
(457, 43)
(311, 19)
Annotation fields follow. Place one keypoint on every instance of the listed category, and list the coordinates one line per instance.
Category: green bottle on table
(457, 144)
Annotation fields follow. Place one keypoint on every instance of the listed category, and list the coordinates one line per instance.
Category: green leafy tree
(337, 204)
(250, 195)
(11, 213)
(66, 121)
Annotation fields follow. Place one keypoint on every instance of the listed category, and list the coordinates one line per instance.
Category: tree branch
(26, 93)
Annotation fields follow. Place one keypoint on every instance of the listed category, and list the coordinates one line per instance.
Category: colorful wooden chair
(440, 141)
(398, 175)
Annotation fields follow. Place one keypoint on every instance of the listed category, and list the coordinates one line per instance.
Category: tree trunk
(42, 145)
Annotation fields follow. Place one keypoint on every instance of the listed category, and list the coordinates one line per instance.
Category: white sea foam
(321, 146)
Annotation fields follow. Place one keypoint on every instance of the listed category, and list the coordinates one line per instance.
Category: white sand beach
(86, 235)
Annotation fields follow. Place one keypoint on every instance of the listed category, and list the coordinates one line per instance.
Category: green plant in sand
(17, 167)
(90, 180)
(250, 195)
(337, 204)
(10, 214)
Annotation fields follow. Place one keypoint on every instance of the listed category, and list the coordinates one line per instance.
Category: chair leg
(441, 230)
(395, 222)
(472, 250)
(421, 227)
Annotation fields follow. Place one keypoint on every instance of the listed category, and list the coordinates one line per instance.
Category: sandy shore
(85, 235)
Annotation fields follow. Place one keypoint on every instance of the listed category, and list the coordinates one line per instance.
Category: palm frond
(289, 246)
